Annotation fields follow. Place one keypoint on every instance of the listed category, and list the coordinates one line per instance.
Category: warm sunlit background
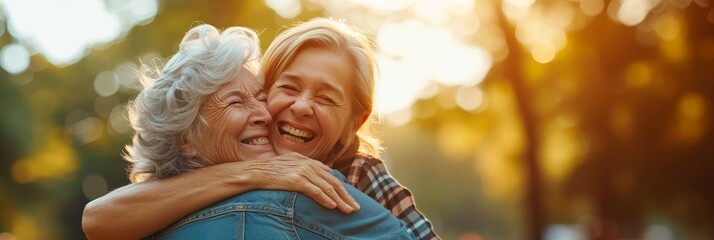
(508, 119)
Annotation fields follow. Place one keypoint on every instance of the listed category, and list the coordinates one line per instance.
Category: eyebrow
(327, 84)
(240, 94)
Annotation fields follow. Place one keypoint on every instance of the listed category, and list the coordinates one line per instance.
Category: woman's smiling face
(308, 102)
(237, 123)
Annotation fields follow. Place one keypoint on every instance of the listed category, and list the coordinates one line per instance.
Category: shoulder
(372, 221)
(222, 219)
(364, 169)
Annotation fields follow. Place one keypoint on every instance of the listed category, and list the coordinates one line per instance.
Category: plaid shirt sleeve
(370, 176)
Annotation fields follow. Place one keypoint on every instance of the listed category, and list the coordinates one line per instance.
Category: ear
(358, 122)
(361, 120)
(189, 149)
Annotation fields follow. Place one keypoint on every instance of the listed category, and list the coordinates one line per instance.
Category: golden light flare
(509, 131)
(57, 159)
(502, 178)
(668, 26)
(675, 50)
(457, 139)
(622, 122)
(560, 151)
(638, 74)
(542, 31)
(25, 227)
(630, 12)
(691, 119)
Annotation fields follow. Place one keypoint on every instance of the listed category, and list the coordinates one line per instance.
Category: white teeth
(293, 138)
(296, 132)
(259, 141)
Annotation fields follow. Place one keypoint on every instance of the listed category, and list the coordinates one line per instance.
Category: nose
(302, 107)
(260, 116)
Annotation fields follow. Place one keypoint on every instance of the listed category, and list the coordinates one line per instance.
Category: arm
(139, 209)
(370, 176)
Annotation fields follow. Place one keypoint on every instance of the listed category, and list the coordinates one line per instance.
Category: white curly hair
(166, 111)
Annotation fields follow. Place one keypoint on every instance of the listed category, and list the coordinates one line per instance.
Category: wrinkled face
(237, 122)
(308, 102)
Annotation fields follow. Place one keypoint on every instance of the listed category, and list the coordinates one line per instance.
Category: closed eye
(262, 98)
(234, 102)
(288, 87)
(326, 99)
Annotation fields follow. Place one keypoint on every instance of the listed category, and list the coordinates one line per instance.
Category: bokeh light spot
(127, 74)
(14, 58)
(469, 98)
(592, 7)
(105, 84)
(94, 186)
(633, 12)
(638, 74)
(118, 121)
(668, 27)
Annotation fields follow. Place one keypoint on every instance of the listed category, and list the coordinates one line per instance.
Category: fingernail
(333, 204)
(356, 205)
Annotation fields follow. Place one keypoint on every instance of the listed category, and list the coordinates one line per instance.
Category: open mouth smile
(295, 134)
(256, 141)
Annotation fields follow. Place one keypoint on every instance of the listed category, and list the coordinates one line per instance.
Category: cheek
(276, 102)
(236, 122)
(226, 130)
(333, 123)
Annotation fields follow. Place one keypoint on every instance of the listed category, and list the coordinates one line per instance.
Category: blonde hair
(166, 111)
(340, 37)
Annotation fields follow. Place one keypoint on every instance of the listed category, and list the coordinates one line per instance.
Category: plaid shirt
(370, 176)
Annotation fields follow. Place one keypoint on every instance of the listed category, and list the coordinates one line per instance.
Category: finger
(341, 191)
(318, 195)
(328, 189)
(321, 165)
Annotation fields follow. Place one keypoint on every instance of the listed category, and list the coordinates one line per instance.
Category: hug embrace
(232, 145)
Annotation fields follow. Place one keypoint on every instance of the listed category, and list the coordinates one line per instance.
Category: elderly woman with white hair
(207, 107)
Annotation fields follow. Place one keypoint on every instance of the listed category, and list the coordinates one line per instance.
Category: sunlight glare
(285, 8)
(463, 65)
(134, 11)
(68, 28)
(521, 3)
(633, 12)
(398, 85)
(390, 5)
(413, 54)
(441, 11)
(399, 118)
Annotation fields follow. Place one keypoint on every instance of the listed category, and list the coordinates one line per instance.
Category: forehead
(245, 82)
(326, 66)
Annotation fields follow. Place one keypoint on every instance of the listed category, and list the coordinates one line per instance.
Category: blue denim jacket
(270, 214)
